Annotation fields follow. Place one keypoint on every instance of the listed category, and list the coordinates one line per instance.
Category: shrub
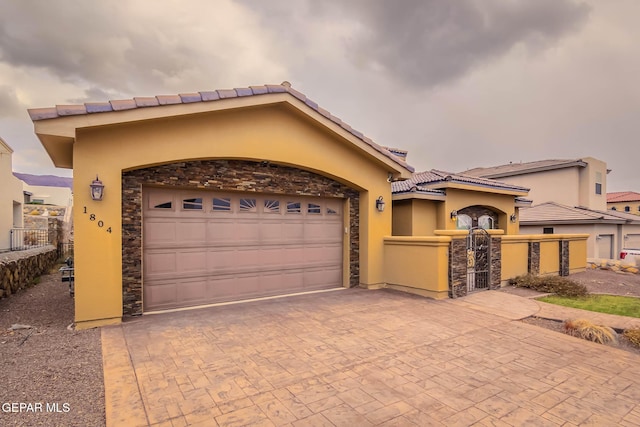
(633, 335)
(584, 329)
(552, 284)
(34, 212)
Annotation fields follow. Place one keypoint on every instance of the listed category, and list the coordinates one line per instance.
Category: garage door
(206, 247)
(605, 246)
(632, 241)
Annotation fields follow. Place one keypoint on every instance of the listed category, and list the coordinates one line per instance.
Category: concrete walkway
(515, 308)
(363, 358)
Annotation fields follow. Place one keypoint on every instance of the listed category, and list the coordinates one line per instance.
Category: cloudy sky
(459, 84)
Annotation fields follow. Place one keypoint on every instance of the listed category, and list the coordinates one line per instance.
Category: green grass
(610, 304)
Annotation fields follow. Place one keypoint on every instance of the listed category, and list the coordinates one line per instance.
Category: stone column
(458, 268)
(534, 258)
(564, 258)
(495, 252)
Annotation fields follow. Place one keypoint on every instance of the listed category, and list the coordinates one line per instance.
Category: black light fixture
(380, 204)
(454, 215)
(97, 189)
(512, 218)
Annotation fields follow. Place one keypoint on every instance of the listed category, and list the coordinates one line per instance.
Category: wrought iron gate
(478, 259)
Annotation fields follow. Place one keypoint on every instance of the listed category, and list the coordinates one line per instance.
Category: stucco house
(227, 195)
(47, 189)
(569, 196)
(11, 197)
(624, 201)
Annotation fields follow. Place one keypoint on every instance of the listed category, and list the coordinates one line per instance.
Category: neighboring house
(47, 189)
(11, 197)
(569, 196)
(573, 182)
(229, 195)
(609, 231)
(624, 201)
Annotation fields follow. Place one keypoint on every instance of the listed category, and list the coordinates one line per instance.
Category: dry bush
(633, 335)
(584, 329)
(560, 286)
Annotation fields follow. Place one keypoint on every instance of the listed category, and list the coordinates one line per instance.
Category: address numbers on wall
(93, 218)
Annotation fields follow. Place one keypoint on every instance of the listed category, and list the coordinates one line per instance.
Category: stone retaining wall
(613, 265)
(18, 269)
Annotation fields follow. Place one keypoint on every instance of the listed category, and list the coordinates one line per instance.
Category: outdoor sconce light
(97, 189)
(380, 204)
(454, 215)
(512, 218)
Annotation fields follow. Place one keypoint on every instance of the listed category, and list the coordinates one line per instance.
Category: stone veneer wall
(496, 263)
(533, 264)
(19, 269)
(458, 268)
(564, 258)
(223, 175)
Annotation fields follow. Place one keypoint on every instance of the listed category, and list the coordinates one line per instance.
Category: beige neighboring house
(11, 197)
(609, 231)
(47, 189)
(624, 201)
(572, 182)
(569, 196)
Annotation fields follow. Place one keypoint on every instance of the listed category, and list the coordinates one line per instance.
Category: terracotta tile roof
(38, 114)
(552, 212)
(511, 169)
(623, 196)
(434, 177)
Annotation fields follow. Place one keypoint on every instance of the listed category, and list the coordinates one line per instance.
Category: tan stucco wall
(11, 196)
(544, 186)
(273, 133)
(634, 207)
(515, 250)
(502, 204)
(587, 191)
(418, 265)
(415, 217)
(617, 231)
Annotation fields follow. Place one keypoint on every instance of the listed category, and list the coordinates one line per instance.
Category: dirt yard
(54, 368)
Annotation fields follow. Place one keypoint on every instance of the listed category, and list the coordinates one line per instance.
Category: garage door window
(160, 202)
(248, 205)
(294, 207)
(221, 204)
(272, 206)
(192, 204)
(312, 208)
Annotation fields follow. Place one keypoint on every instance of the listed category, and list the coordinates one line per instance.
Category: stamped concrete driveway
(360, 358)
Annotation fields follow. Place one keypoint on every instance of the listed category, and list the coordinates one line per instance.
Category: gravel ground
(48, 364)
(596, 282)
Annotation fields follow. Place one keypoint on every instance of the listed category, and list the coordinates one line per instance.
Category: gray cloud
(10, 105)
(429, 42)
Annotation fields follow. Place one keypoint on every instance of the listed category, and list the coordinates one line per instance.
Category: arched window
(627, 209)
(464, 222)
(613, 208)
(486, 222)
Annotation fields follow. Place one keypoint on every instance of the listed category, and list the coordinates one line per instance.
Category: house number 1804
(92, 217)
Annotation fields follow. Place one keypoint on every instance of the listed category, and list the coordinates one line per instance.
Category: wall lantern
(454, 215)
(513, 217)
(97, 189)
(380, 204)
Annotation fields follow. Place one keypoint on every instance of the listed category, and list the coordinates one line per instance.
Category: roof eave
(476, 187)
(409, 195)
(495, 175)
(57, 134)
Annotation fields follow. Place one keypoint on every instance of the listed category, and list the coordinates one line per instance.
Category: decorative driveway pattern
(360, 358)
